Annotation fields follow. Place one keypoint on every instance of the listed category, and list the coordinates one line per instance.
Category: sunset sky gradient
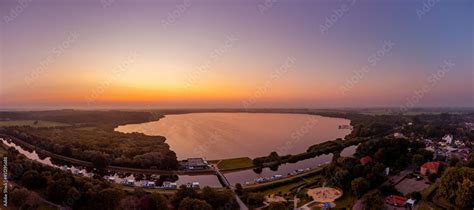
(178, 54)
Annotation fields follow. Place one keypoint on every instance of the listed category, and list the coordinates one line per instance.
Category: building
(365, 160)
(387, 171)
(129, 182)
(430, 168)
(170, 185)
(195, 164)
(410, 203)
(448, 139)
(396, 200)
(194, 185)
(399, 135)
(149, 184)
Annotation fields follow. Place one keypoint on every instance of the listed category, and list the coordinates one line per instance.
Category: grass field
(346, 201)
(32, 123)
(234, 164)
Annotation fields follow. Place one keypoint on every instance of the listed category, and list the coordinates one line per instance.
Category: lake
(230, 135)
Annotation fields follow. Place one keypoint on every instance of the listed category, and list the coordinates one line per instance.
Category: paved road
(241, 203)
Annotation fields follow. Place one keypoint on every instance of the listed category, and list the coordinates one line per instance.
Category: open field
(234, 164)
(345, 202)
(32, 123)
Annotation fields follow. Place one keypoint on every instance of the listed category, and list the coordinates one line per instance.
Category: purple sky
(279, 53)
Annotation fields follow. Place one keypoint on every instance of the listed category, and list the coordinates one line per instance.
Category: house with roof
(195, 164)
(396, 200)
(149, 184)
(365, 160)
(448, 139)
(430, 168)
(169, 185)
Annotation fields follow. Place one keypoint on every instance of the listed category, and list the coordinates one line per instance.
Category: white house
(130, 182)
(149, 184)
(448, 139)
(398, 135)
(195, 185)
(170, 185)
(387, 171)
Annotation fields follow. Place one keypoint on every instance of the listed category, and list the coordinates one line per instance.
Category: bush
(18, 196)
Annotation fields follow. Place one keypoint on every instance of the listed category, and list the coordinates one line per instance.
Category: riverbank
(117, 169)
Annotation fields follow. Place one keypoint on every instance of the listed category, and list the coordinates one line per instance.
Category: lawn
(234, 164)
(284, 189)
(346, 201)
(32, 123)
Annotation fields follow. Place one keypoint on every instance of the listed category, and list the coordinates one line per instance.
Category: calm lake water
(230, 135)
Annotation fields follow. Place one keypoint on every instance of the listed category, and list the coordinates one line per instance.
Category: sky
(236, 54)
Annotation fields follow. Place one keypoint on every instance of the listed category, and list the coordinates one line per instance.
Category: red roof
(365, 160)
(396, 200)
(434, 166)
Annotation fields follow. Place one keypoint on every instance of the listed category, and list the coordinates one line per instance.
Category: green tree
(18, 196)
(470, 162)
(418, 160)
(465, 194)
(452, 180)
(182, 193)
(59, 186)
(108, 198)
(99, 161)
(194, 204)
(277, 206)
(255, 199)
(453, 161)
(218, 200)
(415, 196)
(373, 201)
(359, 186)
(161, 202)
(239, 189)
(33, 180)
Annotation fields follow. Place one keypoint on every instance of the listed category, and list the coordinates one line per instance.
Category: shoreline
(289, 112)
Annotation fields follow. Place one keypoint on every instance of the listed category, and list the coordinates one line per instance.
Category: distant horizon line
(388, 108)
